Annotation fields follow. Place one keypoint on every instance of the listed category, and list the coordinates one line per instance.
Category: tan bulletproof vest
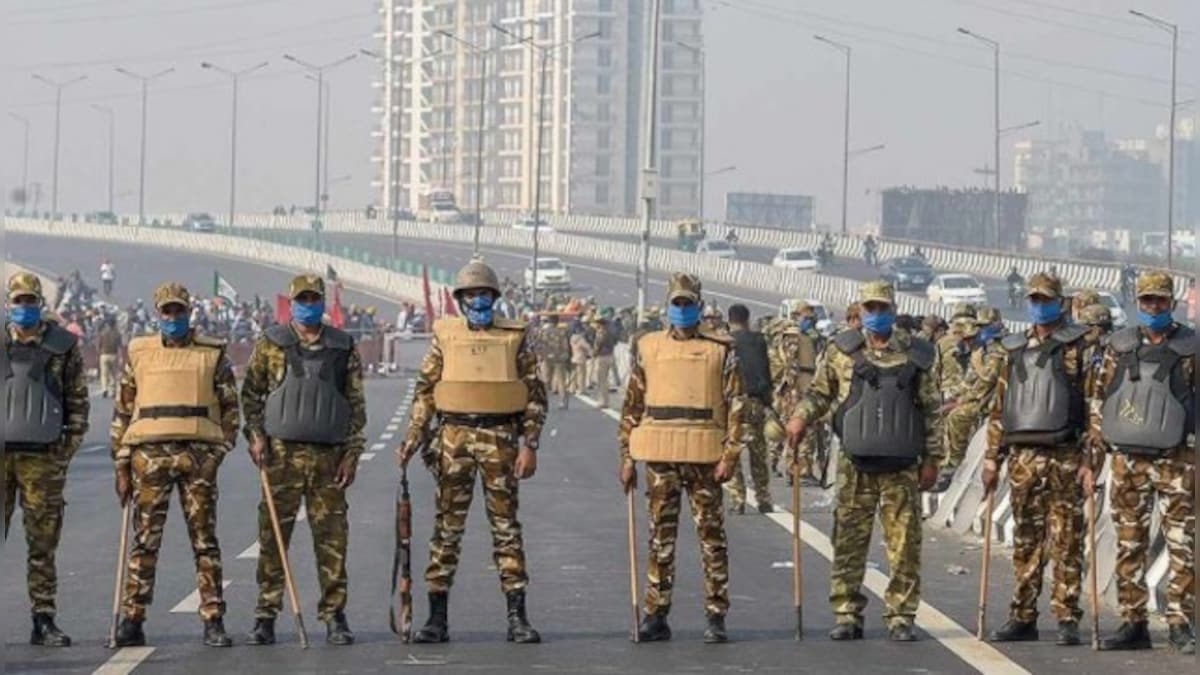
(176, 392)
(685, 415)
(806, 354)
(479, 368)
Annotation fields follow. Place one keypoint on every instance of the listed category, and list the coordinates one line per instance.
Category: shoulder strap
(849, 341)
(208, 341)
(58, 341)
(281, 335)
(336, 338)
(1125, 340)
(1015, 342)
(1070, 333)
(922, 354)
(508, 324)
(1184, 341)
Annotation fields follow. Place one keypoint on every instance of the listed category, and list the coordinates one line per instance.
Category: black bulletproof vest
(1042, 407)
(1149, 406)
(33, 400)
(881, 419)
(754, 364)
(309, 406)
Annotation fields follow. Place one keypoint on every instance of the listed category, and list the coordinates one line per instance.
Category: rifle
(402, 562)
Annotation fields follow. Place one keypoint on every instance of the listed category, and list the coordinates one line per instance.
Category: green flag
(223, 289)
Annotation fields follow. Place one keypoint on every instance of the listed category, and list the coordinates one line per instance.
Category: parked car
(718, 248)
(551, 273)
(796, 259)
(949, 289)
(528, 223)
(908, 274)
(199, 222)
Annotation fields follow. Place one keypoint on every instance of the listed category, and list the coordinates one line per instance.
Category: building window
(603, 165)
(602, 193)
(604, 56)
(603, 138)
(603, 112)
(603, 84)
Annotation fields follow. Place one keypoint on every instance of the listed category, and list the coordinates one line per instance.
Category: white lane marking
(387, 436)
(378, 446)
(392, 427)
(191, 604)
(596, 404)
(124, 661)
(979, 655)
(366, 457)
(251, 553)
(397, 420)
(302, 514)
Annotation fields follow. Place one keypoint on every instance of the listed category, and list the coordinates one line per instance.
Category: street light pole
(650, 170)
(995, 45)
(112, 135)
(24, 160)
(58, 90)
(484, 54)
(1173, 29)
(145, 80)
(235, 77)
(845, 49)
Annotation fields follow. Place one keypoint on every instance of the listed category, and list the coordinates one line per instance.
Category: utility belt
(481, 421)
(165, 411)
(678, 413)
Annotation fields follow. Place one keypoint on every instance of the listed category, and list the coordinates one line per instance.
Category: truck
(437, 205)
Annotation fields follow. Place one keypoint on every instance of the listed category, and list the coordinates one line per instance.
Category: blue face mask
(308, 313)
(479, 310)
(806, 324)
(25, 316)
(1155, 322)
(687, 316)
(879, 323)
(987, 334)
(174, 329)
(1043, 313)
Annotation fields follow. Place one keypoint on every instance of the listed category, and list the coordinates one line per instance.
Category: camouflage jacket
(831, 387)
(424, 410)
(552, 344)
(979, 382)
(224, 383)
(786, 356)
(737, 431)
(951, 370)
(67, 371)
(265, 373)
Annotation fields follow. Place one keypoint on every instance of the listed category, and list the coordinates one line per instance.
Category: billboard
(766, 209)
(953, 217)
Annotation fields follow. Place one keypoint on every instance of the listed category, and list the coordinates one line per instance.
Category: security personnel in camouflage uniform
(885, 461)
(954, 351)
(755, 368)
(174, 420)
(554, 349)
(1081, 300)
(685, 416)
(1036, 420)
(1152, 449)
(979, 384)
(305, 411)
(803, 367)
(46, 399)
(480, 383)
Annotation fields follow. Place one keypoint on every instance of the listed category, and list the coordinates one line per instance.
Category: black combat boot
(714, 632)
(765, 508)
(214, 634)
(519, 630)
(1182, 639)
(1129, 637)
(846, 631)
(337, 631)
(263, 632)
(1015, 631)
(129, 633)
(1068, 634)
(654, 628)
(46, 634)
(437, 628)
(902, 631)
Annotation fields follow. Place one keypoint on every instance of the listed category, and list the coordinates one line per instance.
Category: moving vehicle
(908, 273)
(551, 273)
(796, 259)
(199, 222)
(528, 224)
(718, 248)
(105, 218)
(949, 289)
(691, 233)
(438, 206)
(825, 324)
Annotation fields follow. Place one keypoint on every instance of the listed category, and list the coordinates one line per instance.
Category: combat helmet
(476, 274)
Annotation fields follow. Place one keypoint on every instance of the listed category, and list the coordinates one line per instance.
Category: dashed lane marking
(387, 437)
(191, 604)
(366, 457)
(250, 553)
(378, 447)
(392, 427)
(124, 661)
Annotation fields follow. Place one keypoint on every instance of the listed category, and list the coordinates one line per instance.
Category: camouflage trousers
(37, 480)
(158, 468)
(959, 425)
(491, 453)
(1136, 481)
(304, 472)
(665, 485)
(756, 448)
(1047, 506)
(556, 376)
(860, 496)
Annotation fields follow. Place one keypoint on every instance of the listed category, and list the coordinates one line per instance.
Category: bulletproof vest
(753, 364)
(479, 368)
(34, 413)
(1042, 407)
(881, 417)
(176, 391)
(1150, 405)
(309, 406)
(686, 414)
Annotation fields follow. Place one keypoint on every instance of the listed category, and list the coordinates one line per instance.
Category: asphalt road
(574, 516)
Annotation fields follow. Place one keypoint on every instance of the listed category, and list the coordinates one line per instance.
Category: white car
(825, 325)
(950, 289)
(527, 223)
(551, 273)
(796, 259)
(718, 248)
(1113, 303)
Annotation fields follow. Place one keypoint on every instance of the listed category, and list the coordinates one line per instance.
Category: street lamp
(544, 52)
(1173, 29)
(649, 186)
(700, 54)
(863, 151)
(234, 76)
(58, 90)
(319, 72)
(145, 80)
(24, 160)
(845, 49)
(112, 143)
(996, 127)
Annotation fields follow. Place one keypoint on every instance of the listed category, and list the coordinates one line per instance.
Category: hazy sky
(775, 94)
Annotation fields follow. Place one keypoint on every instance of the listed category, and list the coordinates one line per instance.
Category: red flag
(449, 306)
(429, 316)
(336, 317)
(283, 308)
